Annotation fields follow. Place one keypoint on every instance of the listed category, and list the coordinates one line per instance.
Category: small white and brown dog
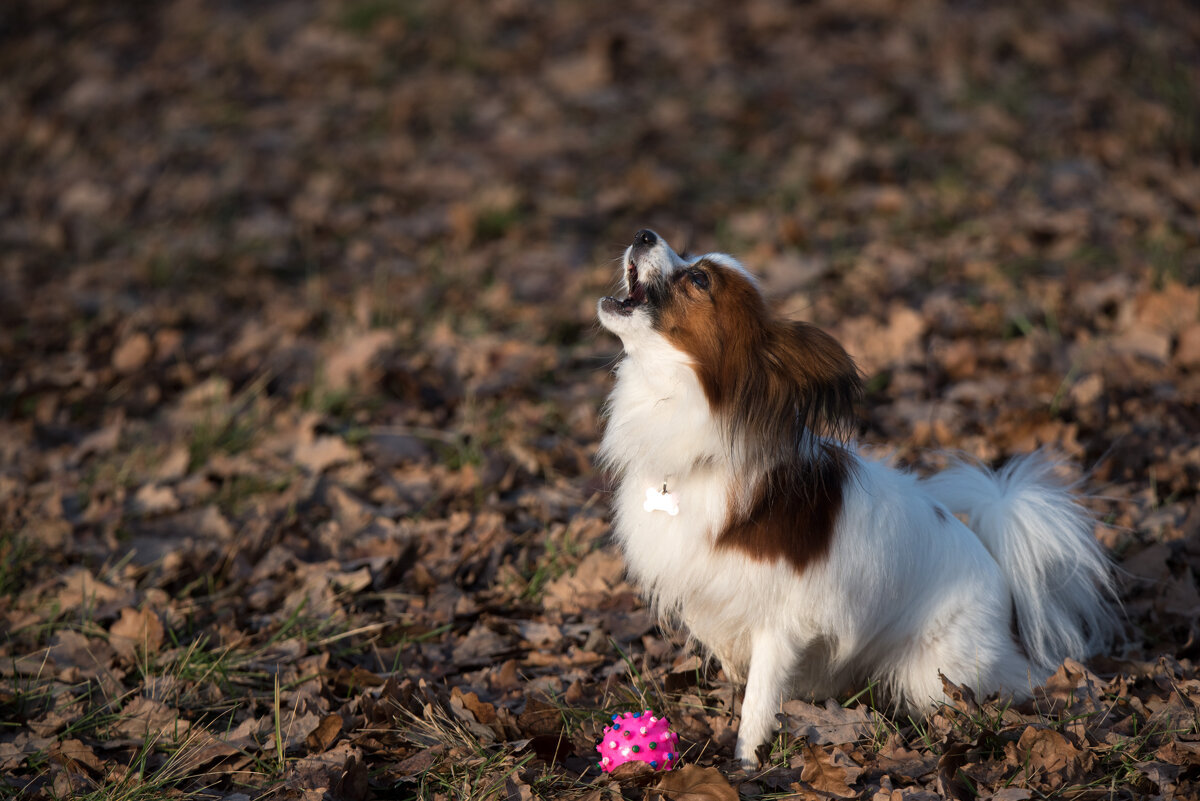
(804, 566)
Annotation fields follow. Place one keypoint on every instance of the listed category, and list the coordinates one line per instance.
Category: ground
(300, 380)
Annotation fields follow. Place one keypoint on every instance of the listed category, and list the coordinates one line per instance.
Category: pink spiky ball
(639, 737)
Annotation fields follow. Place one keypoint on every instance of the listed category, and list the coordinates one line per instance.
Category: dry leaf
(75, 752)
(830, 771)
(351, 359)
(949, 781)
(1012, 794)
(1162, 775)
(826, 725)
(694, 783)
(420, 762)
(154, 499)
(590, 583)
(322, 453)
(1047, 755)
(90, 657)
(323, 736)
(133, 353)
(1074, 683)
(480, 646)
(144, 718)
(354, 783)
(1180, 753)
(905, 763)
(80, 586)
(136, 634)
(962, 699)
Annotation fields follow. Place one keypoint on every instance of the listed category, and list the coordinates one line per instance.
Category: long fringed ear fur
(804, 383)
(829, 383)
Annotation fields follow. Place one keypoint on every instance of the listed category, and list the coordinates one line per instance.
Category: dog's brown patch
(794, 511)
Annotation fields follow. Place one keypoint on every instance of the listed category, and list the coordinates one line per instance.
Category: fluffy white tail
(1060, 579)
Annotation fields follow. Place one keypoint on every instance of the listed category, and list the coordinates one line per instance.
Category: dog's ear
(815, 379)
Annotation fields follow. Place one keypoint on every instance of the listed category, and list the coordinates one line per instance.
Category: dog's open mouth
(635, 298)
(637, 290)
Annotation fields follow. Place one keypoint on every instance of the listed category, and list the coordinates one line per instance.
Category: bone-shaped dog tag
(661, 501)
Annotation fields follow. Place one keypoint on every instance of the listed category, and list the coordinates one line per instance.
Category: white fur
(1035, 529)
(903, 594)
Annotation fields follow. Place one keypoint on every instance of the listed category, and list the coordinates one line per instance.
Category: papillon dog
(804, 566)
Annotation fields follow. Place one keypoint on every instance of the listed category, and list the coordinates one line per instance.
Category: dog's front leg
(767, 684)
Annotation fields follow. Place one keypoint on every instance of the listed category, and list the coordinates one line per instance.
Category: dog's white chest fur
(660, 431)
(659, 423)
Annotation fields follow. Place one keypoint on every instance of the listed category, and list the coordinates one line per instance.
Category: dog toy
(639, 737)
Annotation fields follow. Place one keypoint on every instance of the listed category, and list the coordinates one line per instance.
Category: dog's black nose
(645, 238)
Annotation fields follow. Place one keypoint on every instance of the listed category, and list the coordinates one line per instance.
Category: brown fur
(793, 513)
(774, 383)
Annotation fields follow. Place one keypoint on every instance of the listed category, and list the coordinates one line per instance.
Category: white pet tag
(661, 501)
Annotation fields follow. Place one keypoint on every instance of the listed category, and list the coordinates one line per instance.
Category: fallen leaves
(317, 454)
(300, 389)
(1049, 759)
(145, 719)
(133, 353)
(137, 634)
(831, 723)
(831, 772)
(323, 736)
(693, 783)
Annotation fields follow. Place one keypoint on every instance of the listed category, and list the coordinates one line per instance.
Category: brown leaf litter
(300, 386)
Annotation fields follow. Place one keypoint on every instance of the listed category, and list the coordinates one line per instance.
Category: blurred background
(292, 290)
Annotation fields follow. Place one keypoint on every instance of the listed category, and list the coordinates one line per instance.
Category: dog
(807, 568)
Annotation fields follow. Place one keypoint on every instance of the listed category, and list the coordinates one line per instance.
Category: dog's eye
(699, 279)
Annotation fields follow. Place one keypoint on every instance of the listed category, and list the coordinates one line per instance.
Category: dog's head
(672, 296)
(769, 378)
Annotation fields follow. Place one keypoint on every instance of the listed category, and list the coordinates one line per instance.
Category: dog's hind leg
(982, 655)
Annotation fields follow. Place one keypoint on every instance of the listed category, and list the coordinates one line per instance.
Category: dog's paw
(747, 756)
